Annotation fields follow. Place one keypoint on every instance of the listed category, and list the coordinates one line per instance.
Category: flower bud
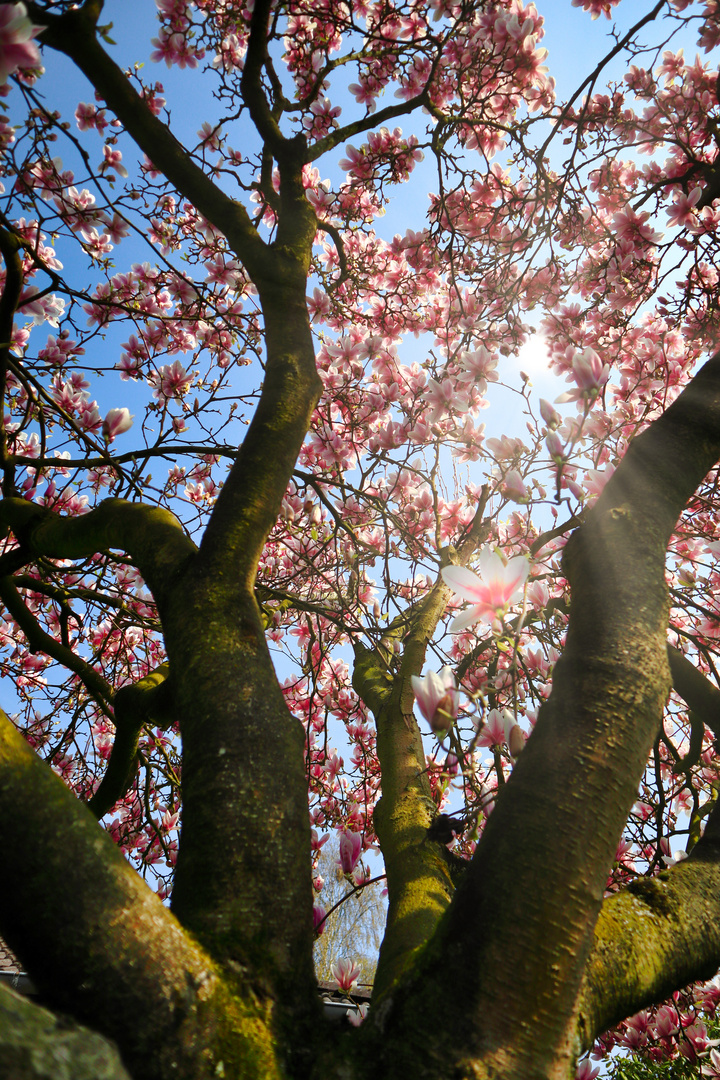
(516, 740)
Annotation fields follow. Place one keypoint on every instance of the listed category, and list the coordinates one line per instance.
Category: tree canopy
(293, 551)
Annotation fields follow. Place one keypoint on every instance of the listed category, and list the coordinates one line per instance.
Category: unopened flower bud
(318, 918)
(516, 740)
(438, 699)
(115, 423)
(442, 719)
(551, 416)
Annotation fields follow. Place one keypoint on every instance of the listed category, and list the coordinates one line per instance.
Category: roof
(11, 973)
(8, 961)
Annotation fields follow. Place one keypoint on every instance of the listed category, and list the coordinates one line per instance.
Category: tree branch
(10, 246)
(508, 959)
(149, 699)
(251, 81)
(152, 537)
(368, 123)
(74, 33)
(40, 641)
(420, 883)
(696, 690)
(656, 935)
(122, 963)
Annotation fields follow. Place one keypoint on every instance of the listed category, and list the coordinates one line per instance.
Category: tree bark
(502, 974)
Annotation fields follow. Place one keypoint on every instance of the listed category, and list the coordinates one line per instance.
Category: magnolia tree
(266, 579)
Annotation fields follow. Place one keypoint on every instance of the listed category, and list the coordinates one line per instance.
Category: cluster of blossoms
(18, 51)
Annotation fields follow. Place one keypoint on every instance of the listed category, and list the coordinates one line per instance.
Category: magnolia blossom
(501, 727)
(442, 397)
(319, 916)
(115, 423)
(586, 1070)
(438, 699)
(551, 417)
(596, 8)
(17, 50)
(589, 373)
(171, 381)
(48, 309)
(496, 728)
(514, 486)
(357, 1016)
(350, 850)
(112, 159)
(346, 974)
(516, 740)
(555, 447)
(712, 1068)
(491, 591)
(683, 212)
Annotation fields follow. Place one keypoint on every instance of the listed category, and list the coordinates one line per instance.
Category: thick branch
(153, 538)
(420, 884)
(509, 957)
(251, 82)
(655, 936)
(11, 247)
(249, 503)
(149, 699)
(122, 962)
(244, 794)
(699, 694)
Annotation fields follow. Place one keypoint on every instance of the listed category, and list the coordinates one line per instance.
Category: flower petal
(467, 618)
(464, 582)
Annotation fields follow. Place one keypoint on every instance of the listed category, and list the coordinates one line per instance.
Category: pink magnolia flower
(491, 591)
(589, 373)
(501, 727)
(350, 851)
(112, 159)
(695, 1041)
(497, 727)
(516, 740)
(319, 916)
(210, 136)
(346, 974)
(438, 699)
(596, 479)
(596, 8)
(442, 397)
(555, 447)
(17, 50)
(514, 487)
(115, 423)
(552, 418)
(357, 1016)
(682, 211)
(586, 1070)
(171, 381)
(666, 1022)
(712, 1069)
